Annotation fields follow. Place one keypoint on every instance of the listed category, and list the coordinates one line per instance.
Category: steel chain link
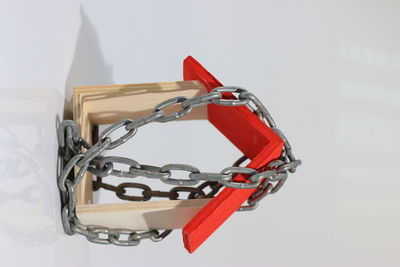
(77, 153)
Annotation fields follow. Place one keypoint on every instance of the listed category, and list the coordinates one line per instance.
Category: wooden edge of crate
(170, 214)
(105, 104)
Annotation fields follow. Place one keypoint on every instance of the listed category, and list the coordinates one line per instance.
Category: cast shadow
(88, 66)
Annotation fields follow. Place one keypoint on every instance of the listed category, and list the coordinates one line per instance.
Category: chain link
(76, 152)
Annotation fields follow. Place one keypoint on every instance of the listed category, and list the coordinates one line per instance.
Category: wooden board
(249, 134)
(95, 105)
(171, 214)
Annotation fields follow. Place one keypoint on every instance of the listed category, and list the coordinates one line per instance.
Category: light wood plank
(172, 214)
(95, 105)
(108, 104)
(104, 104)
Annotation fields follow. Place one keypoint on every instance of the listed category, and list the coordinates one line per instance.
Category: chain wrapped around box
(212, 198)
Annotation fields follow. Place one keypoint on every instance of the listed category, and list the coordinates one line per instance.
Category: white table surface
(327, 70)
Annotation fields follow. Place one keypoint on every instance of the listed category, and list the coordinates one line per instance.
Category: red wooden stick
(249, 134)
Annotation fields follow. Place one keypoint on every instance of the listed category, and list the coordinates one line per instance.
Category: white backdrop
(327, 70)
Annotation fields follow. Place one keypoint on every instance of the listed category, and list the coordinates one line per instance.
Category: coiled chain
(76, 152)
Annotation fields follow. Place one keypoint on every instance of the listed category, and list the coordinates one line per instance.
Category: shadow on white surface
(30, 221)
(89, 66)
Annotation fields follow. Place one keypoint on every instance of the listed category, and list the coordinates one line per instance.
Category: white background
(327, 70)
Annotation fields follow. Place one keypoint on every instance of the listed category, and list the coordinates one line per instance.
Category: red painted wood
(249, 134)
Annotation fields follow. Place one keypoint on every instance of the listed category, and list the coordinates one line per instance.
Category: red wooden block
(250, 135)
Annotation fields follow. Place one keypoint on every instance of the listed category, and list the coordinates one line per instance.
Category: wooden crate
(97, 105)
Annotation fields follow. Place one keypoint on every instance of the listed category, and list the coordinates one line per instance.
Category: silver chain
(76, 152)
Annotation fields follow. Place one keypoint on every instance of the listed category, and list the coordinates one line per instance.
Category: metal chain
(77, 153)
